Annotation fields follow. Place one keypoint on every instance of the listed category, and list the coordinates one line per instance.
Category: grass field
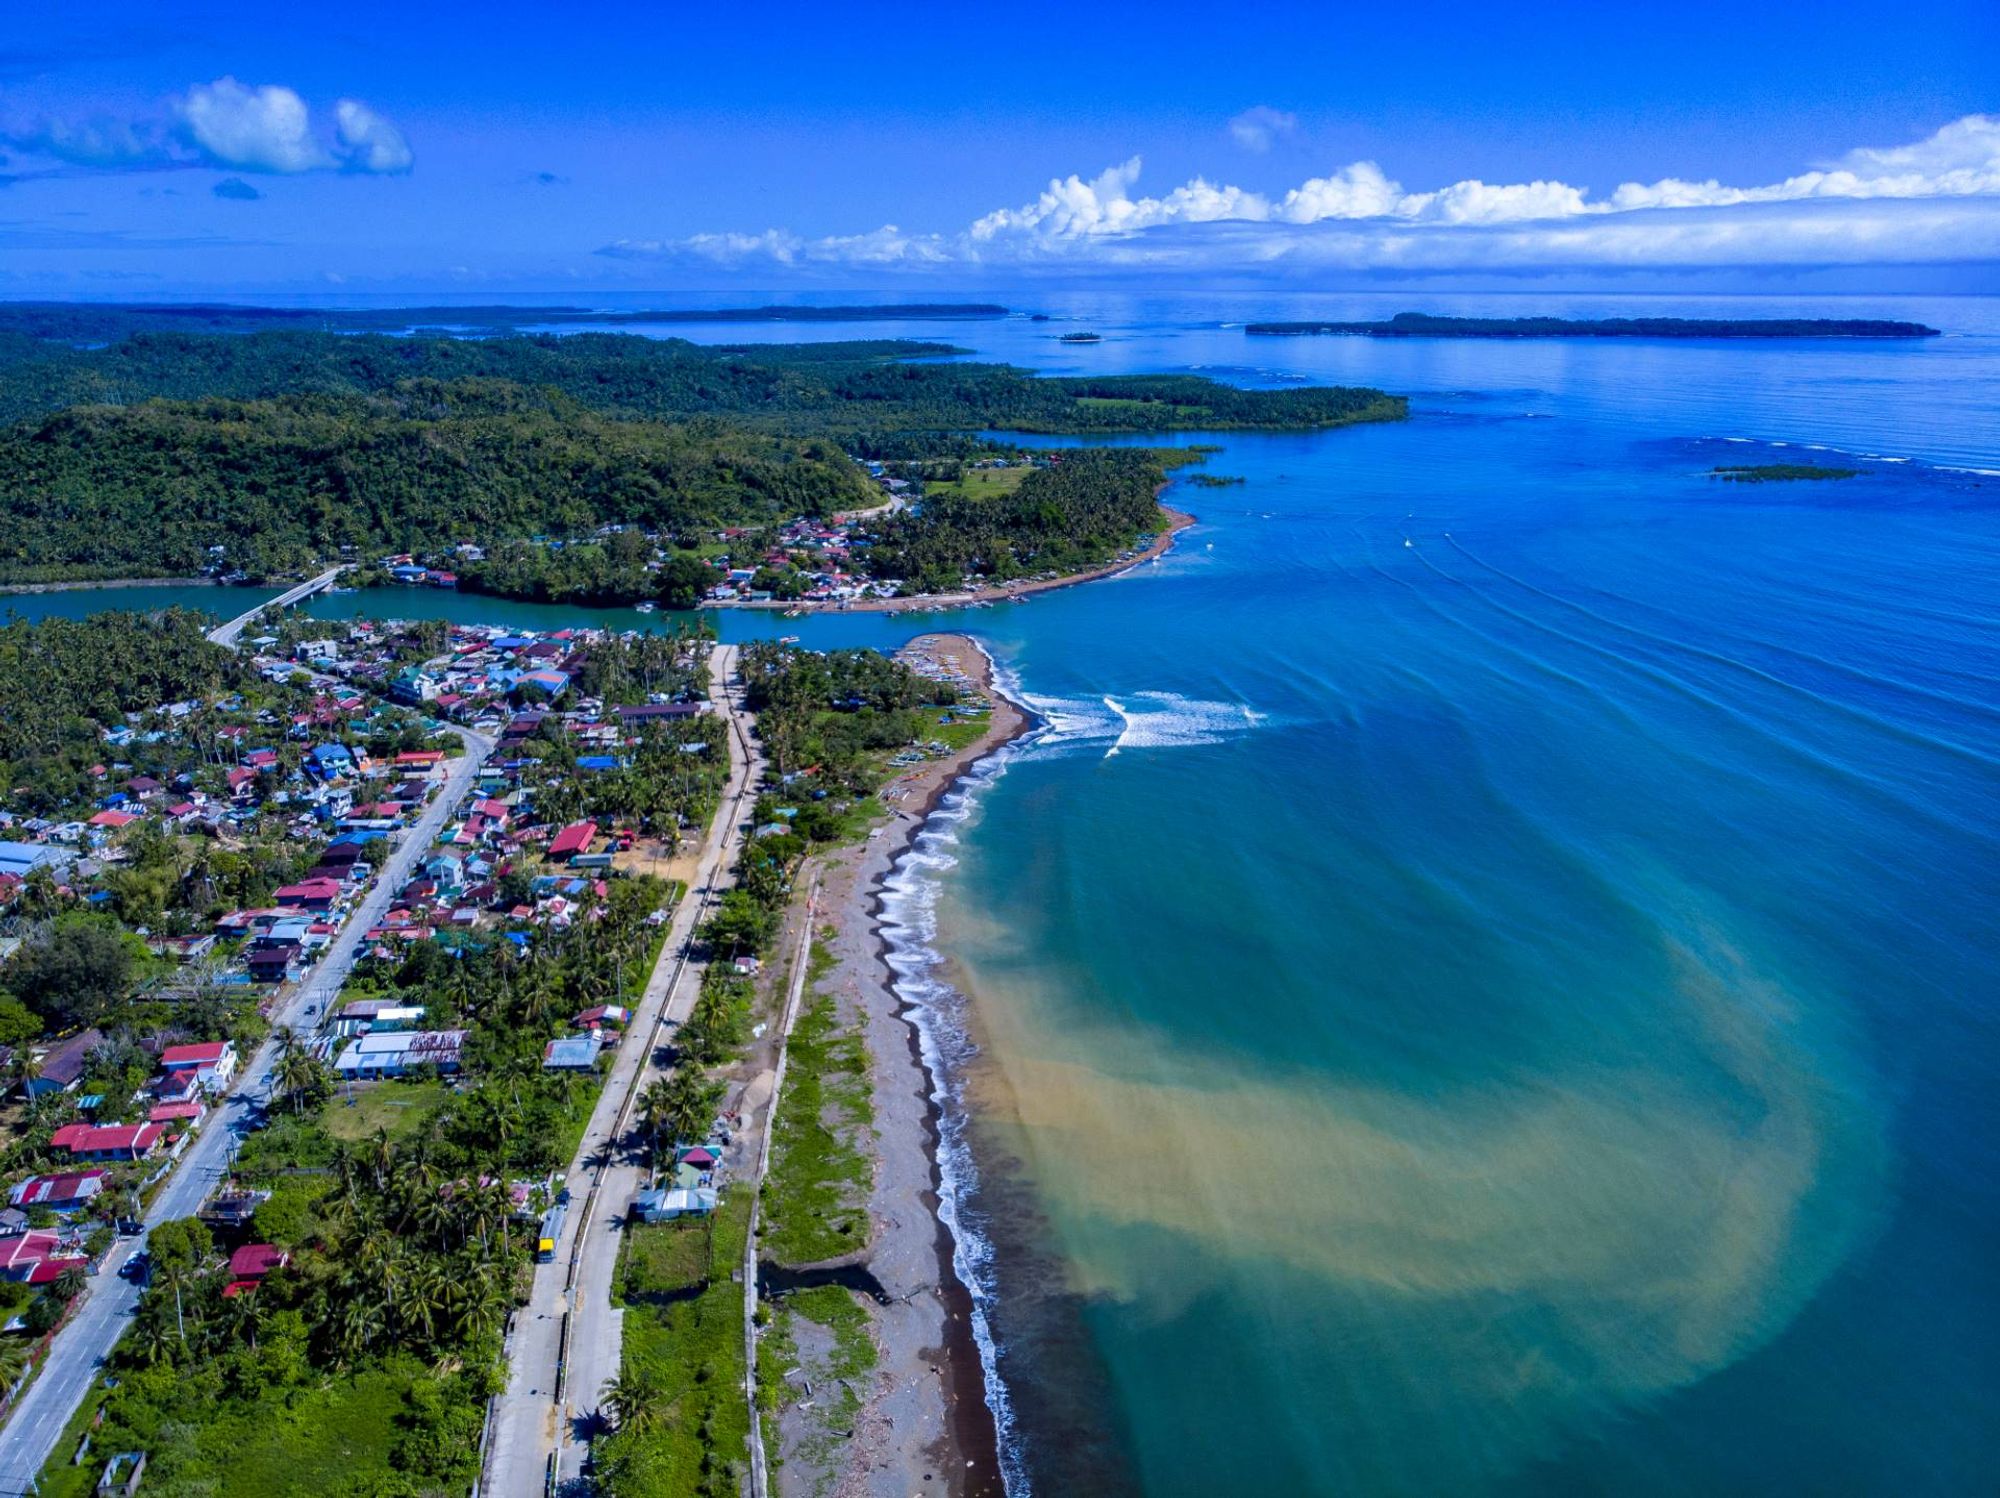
(338, 1436)
(400, 1107)
(816, 1195)
(984, 483)
(684, 1334)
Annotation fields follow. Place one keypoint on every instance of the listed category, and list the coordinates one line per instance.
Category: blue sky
(392, 148)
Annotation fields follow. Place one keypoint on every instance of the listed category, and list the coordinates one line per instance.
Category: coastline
(926, 1423)
(1159, 546)
(110, 582)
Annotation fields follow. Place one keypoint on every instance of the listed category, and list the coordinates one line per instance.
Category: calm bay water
(1487, 983)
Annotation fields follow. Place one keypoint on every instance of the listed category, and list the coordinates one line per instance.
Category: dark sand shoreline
(924, 1423)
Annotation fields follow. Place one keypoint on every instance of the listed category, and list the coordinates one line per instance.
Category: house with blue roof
(330, 761)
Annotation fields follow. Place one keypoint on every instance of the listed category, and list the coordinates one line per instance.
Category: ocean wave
(1136, 720)
(936, 1011)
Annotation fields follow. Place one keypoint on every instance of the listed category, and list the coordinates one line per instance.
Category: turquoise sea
(1488, 980)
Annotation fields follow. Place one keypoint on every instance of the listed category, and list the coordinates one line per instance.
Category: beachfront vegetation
(819, 1336)
(827, 720)
(816, 1196)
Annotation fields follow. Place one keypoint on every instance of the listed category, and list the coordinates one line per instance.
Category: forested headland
(266, 453)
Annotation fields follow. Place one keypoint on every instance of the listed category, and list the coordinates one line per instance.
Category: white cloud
(369, 143)
(1259, 126)
(1935, 199)
(228, 124)
(267, 129)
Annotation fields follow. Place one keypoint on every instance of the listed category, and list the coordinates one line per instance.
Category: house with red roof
(255, 1260)
(112, 821)
(311, 894)
(62, 1192)
(573, 839)
(108, 1141)
(21, 1254)
(212, 1063)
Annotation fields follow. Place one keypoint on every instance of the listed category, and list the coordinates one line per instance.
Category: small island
(1082, 338)
(1779, 473)
(1425, 325)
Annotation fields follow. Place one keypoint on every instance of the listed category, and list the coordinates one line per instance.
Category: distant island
(1779, 473)
(1082, 338)
(84, 322)
(1424, 325)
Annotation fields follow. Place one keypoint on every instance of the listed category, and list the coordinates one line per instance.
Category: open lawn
(399, 1107)
(984, 483)
(816, 1195)
(339, 1436)
(684, 1339)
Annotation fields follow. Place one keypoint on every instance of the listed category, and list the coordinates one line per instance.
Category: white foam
(1136, 720)
(936, 1010)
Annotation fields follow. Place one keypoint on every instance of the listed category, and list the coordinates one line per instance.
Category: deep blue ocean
(1489, 980)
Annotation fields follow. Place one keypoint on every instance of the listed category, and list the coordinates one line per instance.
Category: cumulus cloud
(369, 143)
(1259, 126)
(1934, 199)
(267, 129)
(228, 124)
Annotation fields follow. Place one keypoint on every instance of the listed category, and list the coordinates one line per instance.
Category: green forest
(1090, 505)
(172, 453)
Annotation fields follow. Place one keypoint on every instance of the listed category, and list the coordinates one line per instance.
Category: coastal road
(566, 1343)
(228, 634)
(78, 1354)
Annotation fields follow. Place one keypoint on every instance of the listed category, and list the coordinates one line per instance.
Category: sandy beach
(924, 1425)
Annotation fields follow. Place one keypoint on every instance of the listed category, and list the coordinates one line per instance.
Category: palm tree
(13, 1360)
(631, 1400)
(690, 1102)
(358, 1325)
(381, 1158)
(298, 1072)
(655, 1109)
(424, 1298)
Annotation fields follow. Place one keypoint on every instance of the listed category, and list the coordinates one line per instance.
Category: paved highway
(567, 1341)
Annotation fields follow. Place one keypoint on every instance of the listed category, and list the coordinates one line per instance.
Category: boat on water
(645, 608)
(343, 590)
